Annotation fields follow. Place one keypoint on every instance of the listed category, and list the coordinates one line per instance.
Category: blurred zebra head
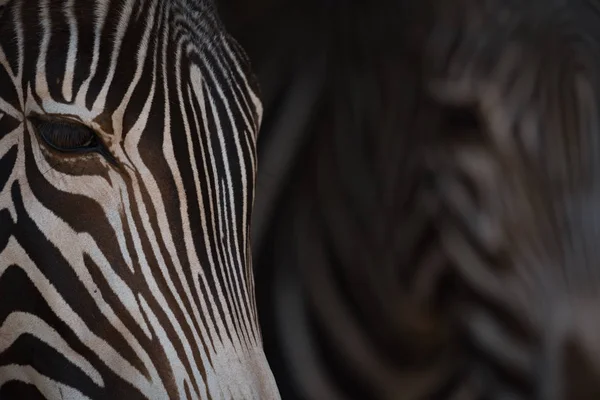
(516, 161)
(127, 164)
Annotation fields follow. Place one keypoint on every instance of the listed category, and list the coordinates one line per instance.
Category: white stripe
(5, 64)
(10, 110)
(100, 13)
(20, 323)
(20, 48)
(126, 13)
(49, 388)
(8, 142)
(67, 88)
(41, 84)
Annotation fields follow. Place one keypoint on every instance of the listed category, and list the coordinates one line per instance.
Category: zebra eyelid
(98, 146)
(59, 118)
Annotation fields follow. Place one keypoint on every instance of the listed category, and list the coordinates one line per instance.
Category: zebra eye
(66, 136)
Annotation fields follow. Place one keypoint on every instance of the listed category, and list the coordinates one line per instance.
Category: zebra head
(127, 163)
(517, 173)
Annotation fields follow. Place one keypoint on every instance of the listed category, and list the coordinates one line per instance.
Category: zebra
(516, 166)
(127, 168)
(429, 230)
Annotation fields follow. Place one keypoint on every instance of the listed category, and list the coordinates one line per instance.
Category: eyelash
(69, 137)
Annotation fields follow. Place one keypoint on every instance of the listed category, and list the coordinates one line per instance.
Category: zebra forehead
(198, 16)
(192, 22)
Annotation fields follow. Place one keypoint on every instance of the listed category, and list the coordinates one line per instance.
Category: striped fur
(127, 277)
(517, 177)
(431, 232)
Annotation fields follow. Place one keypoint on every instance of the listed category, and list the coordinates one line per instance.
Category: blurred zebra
(426, 207)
